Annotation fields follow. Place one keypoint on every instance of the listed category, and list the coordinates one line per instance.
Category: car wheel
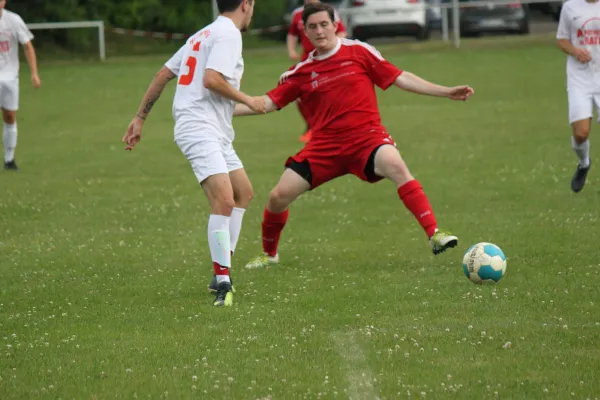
(524, 29)
(423, 33)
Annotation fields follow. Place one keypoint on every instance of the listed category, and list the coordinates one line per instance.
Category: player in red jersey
(296, 33)
(335, 86)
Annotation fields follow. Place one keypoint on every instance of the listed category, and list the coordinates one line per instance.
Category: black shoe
(224, 295)
(579, 177)
(212, 286)
(11, 166)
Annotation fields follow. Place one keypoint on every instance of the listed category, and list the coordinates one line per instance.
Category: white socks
(220, 246)
(10, 141)
(223, 235)
(235, 226)
(583, 152)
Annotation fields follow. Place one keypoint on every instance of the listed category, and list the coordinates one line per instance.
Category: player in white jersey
(12, 32)
(209, 68)
(578, 35)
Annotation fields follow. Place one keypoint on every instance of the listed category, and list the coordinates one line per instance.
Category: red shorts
(328, 160)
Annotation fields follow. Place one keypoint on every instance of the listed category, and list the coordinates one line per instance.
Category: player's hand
(35, 81)
(257, 104)
(294, 56)
(582, 55)
(460, 93)
(134, 133)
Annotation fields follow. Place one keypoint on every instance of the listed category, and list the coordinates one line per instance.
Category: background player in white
(578, 35)
(209, 68)
(12, 32)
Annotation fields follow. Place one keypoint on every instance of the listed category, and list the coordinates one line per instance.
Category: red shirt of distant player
(336, 92)
(297, 29)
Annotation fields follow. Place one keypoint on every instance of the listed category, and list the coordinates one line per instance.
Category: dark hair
(229, 5)
(314, 8)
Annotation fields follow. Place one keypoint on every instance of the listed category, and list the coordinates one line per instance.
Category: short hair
(314, 8)
(229, 5)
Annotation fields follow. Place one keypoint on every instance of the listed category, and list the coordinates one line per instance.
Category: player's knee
(278, 199)
(9, 117)
(581, 133)
(223, 205)
(398, 172)
(243, 198)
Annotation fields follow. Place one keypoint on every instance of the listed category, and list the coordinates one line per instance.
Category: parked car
(379, 18)
(493, 18)
(367, 19)
(552, 8)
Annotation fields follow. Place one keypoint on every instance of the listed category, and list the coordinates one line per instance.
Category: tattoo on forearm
(149, 105)
(153, 96)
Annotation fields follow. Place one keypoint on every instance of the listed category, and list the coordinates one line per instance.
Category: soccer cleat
(441, 241)
(224, 295)
(306, 137)
(11, 166)
(212, 286)
(262, 261)
(579, 177)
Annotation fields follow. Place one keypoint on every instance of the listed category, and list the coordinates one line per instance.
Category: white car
(366, 19)
(379, 18)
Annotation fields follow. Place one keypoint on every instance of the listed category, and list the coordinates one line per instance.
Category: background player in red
(296, 33)
(336, 87)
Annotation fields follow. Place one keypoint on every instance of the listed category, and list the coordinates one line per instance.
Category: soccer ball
(484, 263)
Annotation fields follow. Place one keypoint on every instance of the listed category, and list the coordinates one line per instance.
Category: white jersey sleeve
(23, 33)
(174, 63)
(225, 54)
(564, 25)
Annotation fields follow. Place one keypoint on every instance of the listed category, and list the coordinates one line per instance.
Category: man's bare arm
(582, 55)
(32, 61)
(292, 43)
(566, 46)
(412, 83)
(215, 82)
(243, 110)
(154, 91)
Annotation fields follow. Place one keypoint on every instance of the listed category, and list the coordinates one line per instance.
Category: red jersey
(297, 29)
(336, 92)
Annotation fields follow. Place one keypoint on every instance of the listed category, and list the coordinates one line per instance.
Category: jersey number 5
(191, 64)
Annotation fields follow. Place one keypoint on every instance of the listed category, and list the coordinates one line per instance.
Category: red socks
(413, 197)
(272, 225)
(219, 270)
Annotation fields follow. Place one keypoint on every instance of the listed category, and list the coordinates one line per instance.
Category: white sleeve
(174, 63)
(564, 25)
(225, 53)
(24, 35)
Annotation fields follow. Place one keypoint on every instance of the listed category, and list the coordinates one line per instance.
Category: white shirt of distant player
(196, 109)
(12, 32)
(580, 23)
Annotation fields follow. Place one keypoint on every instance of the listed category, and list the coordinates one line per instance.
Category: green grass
(104, 260)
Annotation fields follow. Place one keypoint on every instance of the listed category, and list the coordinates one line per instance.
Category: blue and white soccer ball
(484, 263)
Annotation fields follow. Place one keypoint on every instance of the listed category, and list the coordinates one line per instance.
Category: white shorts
(581, 104)
(9, 95)
(208, 155)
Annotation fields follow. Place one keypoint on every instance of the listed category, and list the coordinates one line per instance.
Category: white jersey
(196, 109)
(580, 23)
(12, 32)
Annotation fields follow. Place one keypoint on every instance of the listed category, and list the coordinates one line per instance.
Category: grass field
(104, 260)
